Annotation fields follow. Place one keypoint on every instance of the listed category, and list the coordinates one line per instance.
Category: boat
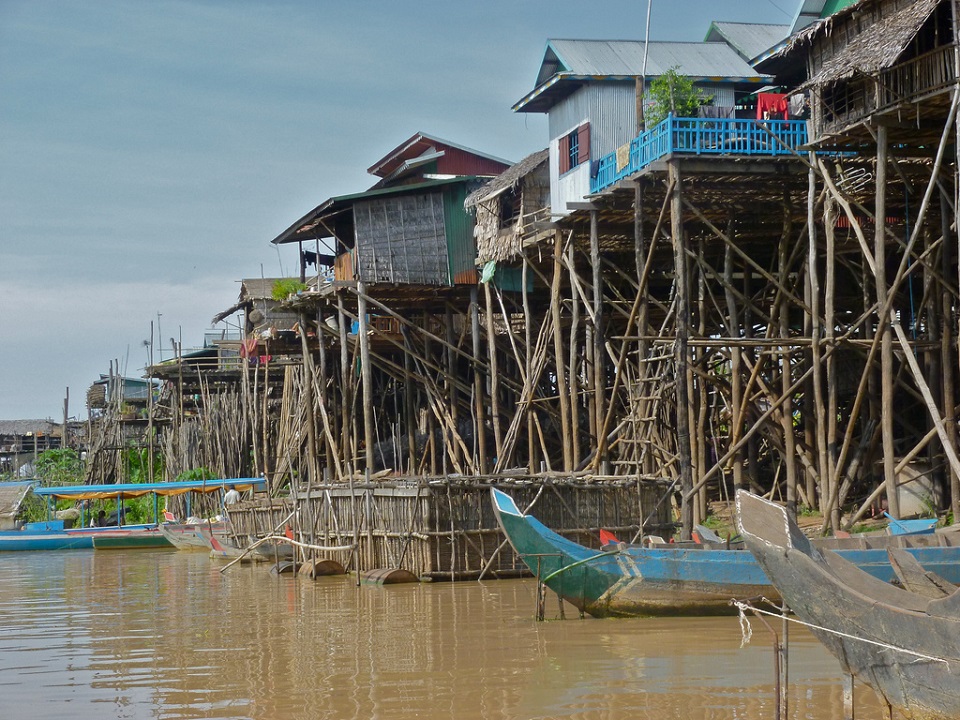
(188, 536)
(58, 534)
(627, 580)
(903, 643)
(146, 538)
(223, 548)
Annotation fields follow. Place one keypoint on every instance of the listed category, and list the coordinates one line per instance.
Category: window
(575, 148)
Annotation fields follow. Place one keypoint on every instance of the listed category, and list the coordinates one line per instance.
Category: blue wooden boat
(53, 534)
(677, 579)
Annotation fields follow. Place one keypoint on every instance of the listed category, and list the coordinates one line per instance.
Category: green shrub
(285, 287)
(61, 466)
(674, 93)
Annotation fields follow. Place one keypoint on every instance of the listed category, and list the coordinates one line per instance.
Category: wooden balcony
(910, 82)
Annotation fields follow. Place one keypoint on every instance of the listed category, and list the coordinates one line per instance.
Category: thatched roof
(876, 48)
(250, 289)
(508, 178)
(26, 427)
(11, 497)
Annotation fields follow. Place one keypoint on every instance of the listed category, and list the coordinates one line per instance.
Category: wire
(748, 631)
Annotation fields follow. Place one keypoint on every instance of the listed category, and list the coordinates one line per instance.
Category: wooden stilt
(681, 351)
(555, 302)
(883, 328)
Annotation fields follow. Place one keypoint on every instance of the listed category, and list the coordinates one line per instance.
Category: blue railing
(701, 136)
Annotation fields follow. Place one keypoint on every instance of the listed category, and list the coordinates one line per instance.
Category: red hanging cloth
(771, 106)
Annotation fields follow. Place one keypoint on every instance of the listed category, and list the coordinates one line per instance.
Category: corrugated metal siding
(402, 239)
(572, 187)
(461, 245)
(458, 162)
(722, 94)
(611, 109)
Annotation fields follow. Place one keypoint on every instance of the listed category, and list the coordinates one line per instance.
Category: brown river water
(164, 634)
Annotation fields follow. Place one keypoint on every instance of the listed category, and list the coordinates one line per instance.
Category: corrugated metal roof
(309, 226)
(625, 57)
(415, 146)
(748, 39)
(569, 63)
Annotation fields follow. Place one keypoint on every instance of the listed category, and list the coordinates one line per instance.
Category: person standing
(232, 496)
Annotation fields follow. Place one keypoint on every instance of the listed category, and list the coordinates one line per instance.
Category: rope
(748, 632)
(284, 538)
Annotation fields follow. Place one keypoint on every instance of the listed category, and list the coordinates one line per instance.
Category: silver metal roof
(625, 57)
(748, 39)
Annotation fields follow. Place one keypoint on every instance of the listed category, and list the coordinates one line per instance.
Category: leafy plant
(60, 466)
(674, 93)
(138, 466)
(285, 287)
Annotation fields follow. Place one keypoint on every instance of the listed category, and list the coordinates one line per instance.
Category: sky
(150, 151)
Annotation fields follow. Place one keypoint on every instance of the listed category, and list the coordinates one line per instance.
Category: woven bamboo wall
(446, 529)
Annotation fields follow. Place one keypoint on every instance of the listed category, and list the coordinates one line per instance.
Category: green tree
(138, 466)
(60, 466)
(674, 93)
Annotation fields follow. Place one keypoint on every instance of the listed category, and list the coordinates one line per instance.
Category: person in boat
(117, 517)
(101, 520)
(232, 496)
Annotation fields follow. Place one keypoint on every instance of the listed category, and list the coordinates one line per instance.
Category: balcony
(701, 136)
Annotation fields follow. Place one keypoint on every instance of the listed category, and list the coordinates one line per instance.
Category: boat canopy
(124, 491)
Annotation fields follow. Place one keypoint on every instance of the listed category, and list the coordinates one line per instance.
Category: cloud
(68, 336)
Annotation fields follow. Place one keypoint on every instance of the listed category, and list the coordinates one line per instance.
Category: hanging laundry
(771, 106)
(623, 156)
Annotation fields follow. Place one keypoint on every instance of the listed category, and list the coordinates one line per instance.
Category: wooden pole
(528, 340)
(453, 399)
(786, 418)
(308, 402)
(946, 354)
(681, 352)
(883, 327)
(555, 302)
(813, 279)
(494, 374)
(736, 379)
(574, 348)
(346, 390)
(479, 406)
(829, 489)
(599, 367)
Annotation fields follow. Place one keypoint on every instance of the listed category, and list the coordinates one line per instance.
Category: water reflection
(165, 635)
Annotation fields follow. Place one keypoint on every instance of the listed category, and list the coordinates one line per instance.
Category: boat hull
(628, 580)
(188, 536)
(131, 541)
(632, 581)
(833, 597)
(78, 539)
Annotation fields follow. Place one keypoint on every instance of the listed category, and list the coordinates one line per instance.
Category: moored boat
(188, 536)
(676, 579)
(147, 538)
(54, 534)
(903, 644)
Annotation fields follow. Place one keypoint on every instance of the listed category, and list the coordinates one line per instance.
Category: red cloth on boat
(771, 106)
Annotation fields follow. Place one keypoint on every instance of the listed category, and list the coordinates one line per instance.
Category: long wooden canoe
(631, 580)
(905, 645)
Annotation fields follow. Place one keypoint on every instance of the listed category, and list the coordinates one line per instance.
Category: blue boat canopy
(134, 490)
